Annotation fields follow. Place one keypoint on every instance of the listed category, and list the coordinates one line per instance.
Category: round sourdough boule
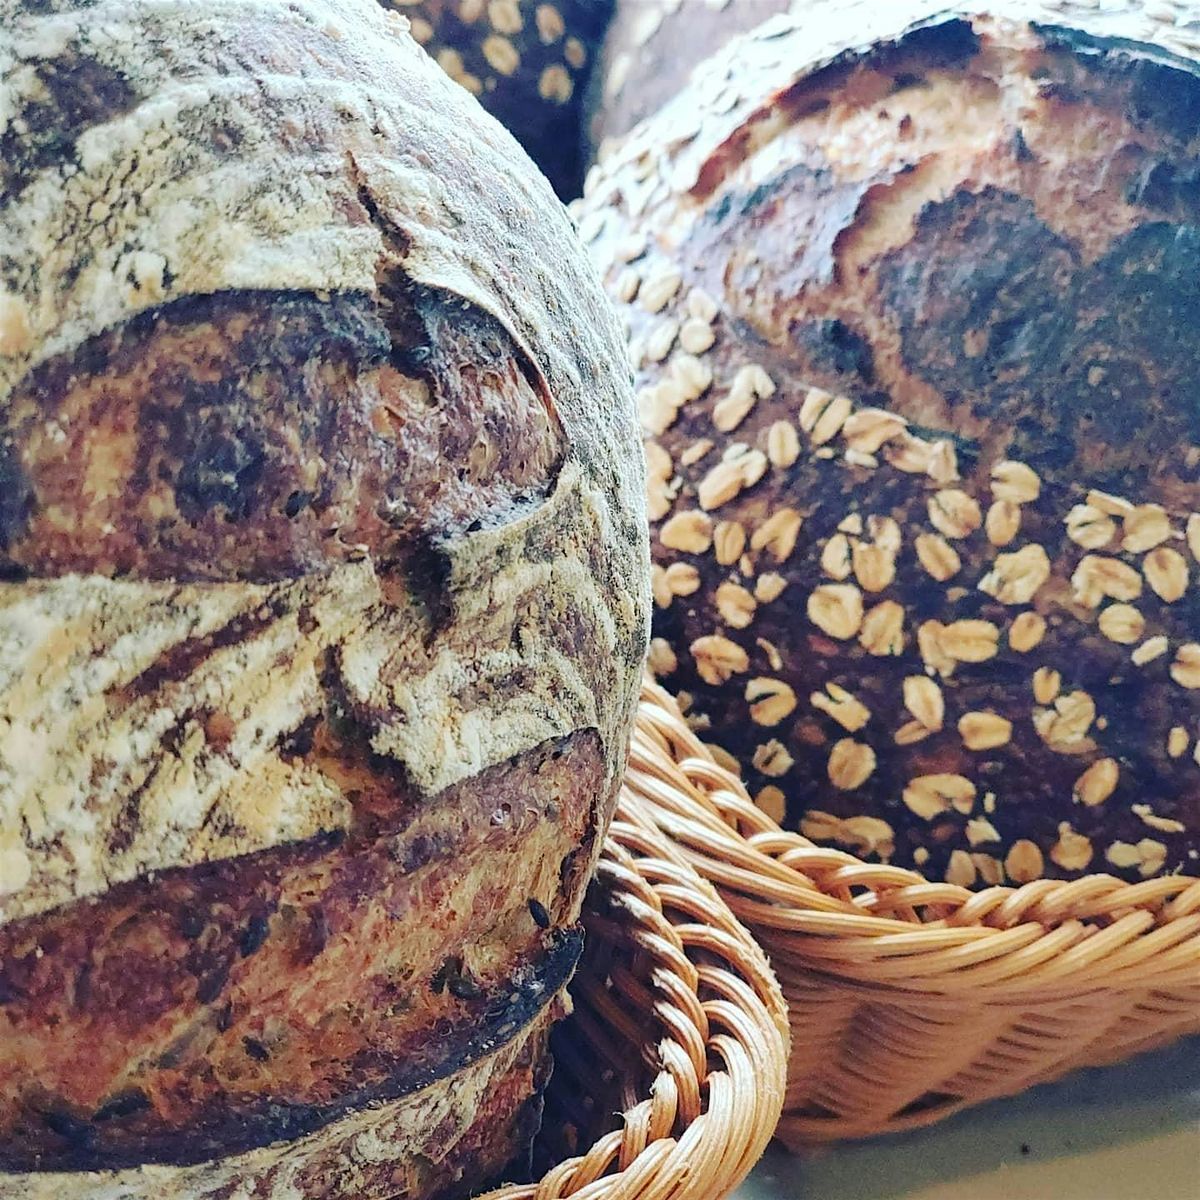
(323, 604)
(650, 49)
(916, 333)
(527, 61)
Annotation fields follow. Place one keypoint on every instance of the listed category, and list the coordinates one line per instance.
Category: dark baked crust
(914, 328)
(485, 1118)
(243, 1002)
(528, 63)
(651, 49)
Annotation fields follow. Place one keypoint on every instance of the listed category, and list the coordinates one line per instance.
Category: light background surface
(1124, 1133)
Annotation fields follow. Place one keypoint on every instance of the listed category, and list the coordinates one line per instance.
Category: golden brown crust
(441, 1142)
(913, 330)
(322, 537)
(260, 437)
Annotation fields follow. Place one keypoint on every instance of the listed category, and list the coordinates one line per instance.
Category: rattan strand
(679, 1027)
(911, 999)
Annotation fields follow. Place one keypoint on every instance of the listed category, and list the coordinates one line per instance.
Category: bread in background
(651, 49)
(528, 63)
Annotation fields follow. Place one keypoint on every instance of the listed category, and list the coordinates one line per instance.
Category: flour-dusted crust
(324, 581)
(298, 180)
(910, 296)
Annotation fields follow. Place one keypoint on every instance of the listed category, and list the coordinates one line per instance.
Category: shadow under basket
(911, 999)
(669, 1075)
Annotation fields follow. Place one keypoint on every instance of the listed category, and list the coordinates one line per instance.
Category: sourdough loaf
(650, 50)
(527, 61)
(914, 317)
(323, 546)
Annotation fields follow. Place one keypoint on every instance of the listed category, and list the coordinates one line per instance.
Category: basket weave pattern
(911, 999)
(673, 1066)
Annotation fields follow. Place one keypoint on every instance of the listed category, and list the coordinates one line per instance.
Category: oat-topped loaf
(323, 553)
(527, 61)
(650, 50)
(913, 311)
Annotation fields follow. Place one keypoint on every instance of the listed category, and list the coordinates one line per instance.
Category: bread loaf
(650, 50)
(915, 327)
(527, 61)
(323, 552)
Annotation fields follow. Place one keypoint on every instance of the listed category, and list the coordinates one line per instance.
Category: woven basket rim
(714, 1033)
(875, 926)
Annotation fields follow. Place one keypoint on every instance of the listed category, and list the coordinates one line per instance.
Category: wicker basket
(909, 999)
(673, 1066)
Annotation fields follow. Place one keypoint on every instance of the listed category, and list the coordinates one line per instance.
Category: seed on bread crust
(984, 583)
